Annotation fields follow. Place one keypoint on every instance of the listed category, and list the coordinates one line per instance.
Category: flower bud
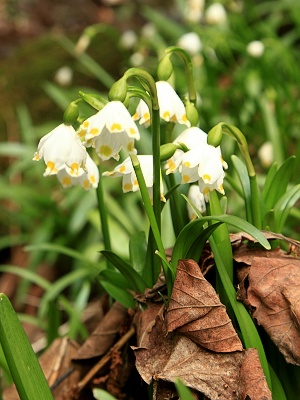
(164, 69)
(118, 91)
(191, 113)
(96, 103)
(214, 136)
(167, 150)
(71, 114)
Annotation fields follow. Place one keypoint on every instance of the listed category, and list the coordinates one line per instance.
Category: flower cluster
(202, 162)
(112, 129)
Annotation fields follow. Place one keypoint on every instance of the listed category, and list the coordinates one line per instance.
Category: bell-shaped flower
(130, 182)
(196, 197)
(202, 162)
(204, 166)
(61, 148)
(170, 105)
(109, 130)
(86, 178)
(192, 138)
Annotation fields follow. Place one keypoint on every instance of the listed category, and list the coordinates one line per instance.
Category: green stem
(103, 215)
(189, 70)
(236, 134)
(221, 234)
(156, 166)
(153, 223)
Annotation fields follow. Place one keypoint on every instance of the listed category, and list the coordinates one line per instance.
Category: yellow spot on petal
(135, 116)
(166, 115)
(221, 189)
(205, 191)
(81, 133)
(174, 119)
(105, 150)
(74, 168)
(66, 181)
(93, 179)
(136, 183)
(185, 178)
(116, 127)
(122, 169)
(187, 164)
(36, 157)
(132, 131)
(184, 118)
(206, 178)
(130, 147)
(170, 163)
(86, 124)
(127, 187)
(146, 116)
(86, 184)
(94, 131)
(50, 166)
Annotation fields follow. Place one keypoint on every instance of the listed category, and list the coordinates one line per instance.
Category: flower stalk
(214, 138)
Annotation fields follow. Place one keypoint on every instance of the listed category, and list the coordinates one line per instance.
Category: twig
(92, 372)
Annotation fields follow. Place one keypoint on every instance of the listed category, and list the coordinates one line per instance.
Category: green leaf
(279, 183)
(100, 394)
(242, 226)
(183, 391)
(135, 280)
(191, 240)
(242, 172)
(283, 206)
(269, 178)
(25, 369)
(117, 286)
(137, 251)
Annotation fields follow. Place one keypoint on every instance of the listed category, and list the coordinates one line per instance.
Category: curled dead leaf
(226, 376)
(274, 292)
(196, 311)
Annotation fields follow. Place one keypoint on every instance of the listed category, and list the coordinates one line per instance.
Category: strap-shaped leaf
(279, 183)
(134, 279)
(25, 369)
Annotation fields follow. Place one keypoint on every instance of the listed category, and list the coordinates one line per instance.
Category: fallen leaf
(196, 311)
(104, 335)
(274, 293)
(216, 375)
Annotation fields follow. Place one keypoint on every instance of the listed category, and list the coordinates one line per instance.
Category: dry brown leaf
(216, 375)
(102, 338)
(196, 311)
(274, 292)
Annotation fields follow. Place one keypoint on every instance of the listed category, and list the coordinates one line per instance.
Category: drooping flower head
(170, 105)
(61, 148)
(197, 198)
(110, 130)
(202, 163)
(86, 178)
(130, 182)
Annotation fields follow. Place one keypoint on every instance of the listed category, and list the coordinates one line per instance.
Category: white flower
(216, 14)
(192, 138)
(170, 105)
(255, 48)
(194, 10)
(130, 182)
(61, 148)
(202, 162)
(87, 179)
(266, 154)
(128, 39)
(109, 130)
(197, 199)
(191, 43)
